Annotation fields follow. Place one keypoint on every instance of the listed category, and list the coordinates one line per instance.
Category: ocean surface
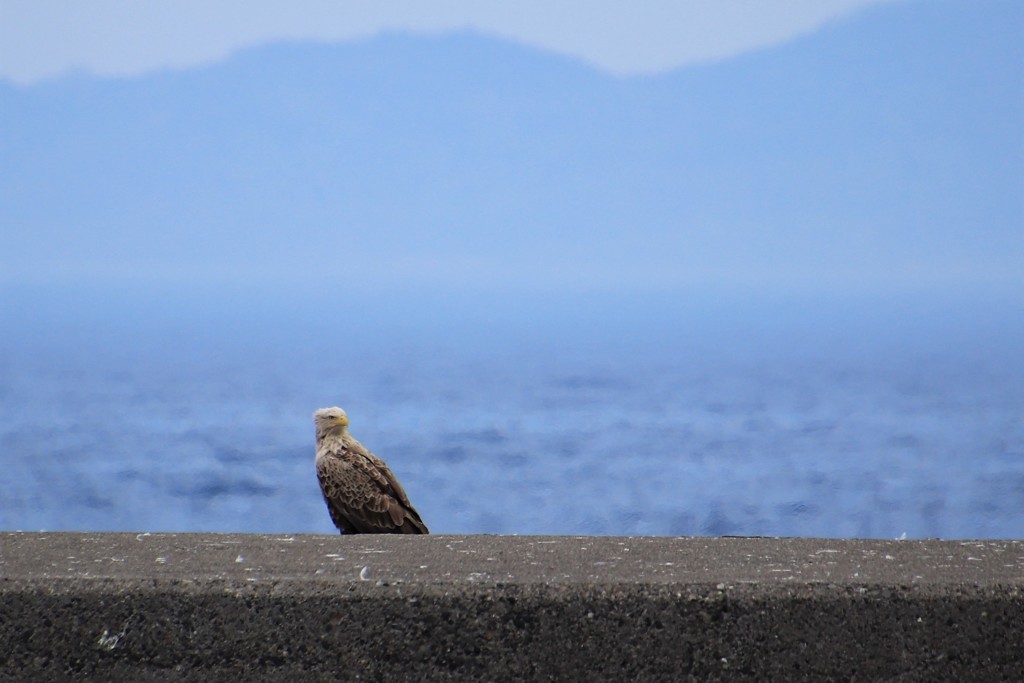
(665, 414)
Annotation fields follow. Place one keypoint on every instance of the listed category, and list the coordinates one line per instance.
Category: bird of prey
(361, 493)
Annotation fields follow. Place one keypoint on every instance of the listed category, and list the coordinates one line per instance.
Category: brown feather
(362, 494)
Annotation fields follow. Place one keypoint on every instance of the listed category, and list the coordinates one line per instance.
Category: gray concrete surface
(225, 606)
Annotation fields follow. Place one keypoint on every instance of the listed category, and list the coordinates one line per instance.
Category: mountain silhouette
(883, 149)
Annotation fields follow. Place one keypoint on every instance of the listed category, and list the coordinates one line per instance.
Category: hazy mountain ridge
(462, 159)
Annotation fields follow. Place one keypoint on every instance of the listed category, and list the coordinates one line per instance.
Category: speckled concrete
(218, 607)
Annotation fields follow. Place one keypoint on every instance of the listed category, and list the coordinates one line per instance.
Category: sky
(848, 143)
(41, 39)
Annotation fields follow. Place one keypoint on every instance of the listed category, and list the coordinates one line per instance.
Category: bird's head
(329, 420)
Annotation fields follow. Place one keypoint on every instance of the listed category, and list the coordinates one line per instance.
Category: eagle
(362, 495)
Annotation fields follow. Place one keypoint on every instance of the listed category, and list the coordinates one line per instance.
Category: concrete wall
(217, 607)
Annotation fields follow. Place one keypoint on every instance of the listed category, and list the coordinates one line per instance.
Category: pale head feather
(329, 420)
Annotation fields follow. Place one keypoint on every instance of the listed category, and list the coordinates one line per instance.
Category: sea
(874, 415)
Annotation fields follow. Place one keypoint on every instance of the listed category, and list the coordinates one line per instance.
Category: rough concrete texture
(148, 607)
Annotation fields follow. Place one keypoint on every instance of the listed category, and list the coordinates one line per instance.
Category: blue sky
(800, 145)
(44, 38)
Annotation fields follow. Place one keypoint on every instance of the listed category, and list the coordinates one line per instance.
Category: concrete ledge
(245, 607)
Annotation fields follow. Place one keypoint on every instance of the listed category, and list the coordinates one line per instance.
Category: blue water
(589, 414)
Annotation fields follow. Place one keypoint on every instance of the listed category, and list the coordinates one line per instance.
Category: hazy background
(698, 267)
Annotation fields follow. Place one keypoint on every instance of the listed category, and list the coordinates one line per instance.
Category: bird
(362, 495)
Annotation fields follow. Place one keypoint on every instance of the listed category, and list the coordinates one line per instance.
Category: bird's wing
(364, 497)
(387, 479)
(396, 491)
